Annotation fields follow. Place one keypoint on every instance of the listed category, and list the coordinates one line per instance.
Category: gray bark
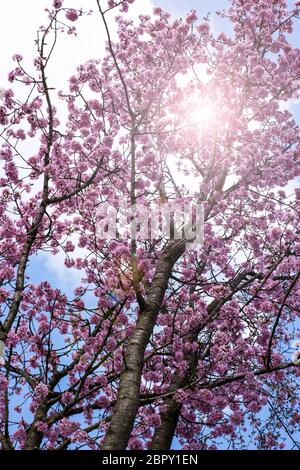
(128, 400)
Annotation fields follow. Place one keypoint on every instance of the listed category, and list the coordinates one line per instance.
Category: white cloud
(19, 21)
(70, 278)
(292, 105)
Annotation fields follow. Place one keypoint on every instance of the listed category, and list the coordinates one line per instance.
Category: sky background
(19, 21)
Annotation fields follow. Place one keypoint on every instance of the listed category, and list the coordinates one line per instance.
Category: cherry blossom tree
(161, 339)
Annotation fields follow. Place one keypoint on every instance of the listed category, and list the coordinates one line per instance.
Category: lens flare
(203, 115)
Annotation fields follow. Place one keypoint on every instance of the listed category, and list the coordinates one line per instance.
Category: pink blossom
(41, 391)
(191, 17)
(209, 331)
(17, 58)
(72, 15)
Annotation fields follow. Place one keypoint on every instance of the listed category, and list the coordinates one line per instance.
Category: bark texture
(128, 401)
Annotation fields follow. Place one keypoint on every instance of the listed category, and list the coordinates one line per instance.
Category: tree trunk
(127, 404)
(34, 436)
(164, 433)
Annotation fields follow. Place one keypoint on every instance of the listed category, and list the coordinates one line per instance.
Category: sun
(203, 115)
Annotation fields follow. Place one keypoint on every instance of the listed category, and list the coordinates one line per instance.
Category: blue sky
(16, 37)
